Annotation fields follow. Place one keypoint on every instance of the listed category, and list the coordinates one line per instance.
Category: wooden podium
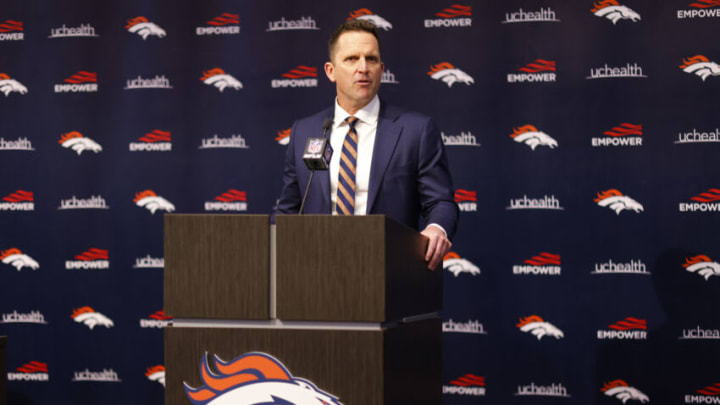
(343, 302)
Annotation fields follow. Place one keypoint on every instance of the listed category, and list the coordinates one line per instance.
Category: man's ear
(330, 71)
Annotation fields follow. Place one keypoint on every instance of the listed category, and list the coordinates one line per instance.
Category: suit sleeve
(289, 201)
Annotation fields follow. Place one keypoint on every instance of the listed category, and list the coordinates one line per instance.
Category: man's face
(356, 69)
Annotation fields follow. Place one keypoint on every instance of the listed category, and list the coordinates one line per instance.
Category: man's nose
(362, 64)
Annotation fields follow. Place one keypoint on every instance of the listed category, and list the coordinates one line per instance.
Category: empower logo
(14, 257)
(35, 371)
(700, 66)
(91, 318)
(699, 333)
(304, 23)
(533, 137)
(474, 327)
(149, 262)
(707, 395)
(154, 141)
(283, 136)
(300, 76)
(613, 72)
(613, 267)
(32, 317)
(701, 9)
(156, 373)
(545, 263)
(455, 264)
(11, 30)
(539, 328)
(532, 390)
(74, 203)
(156, 320)
(468, 384)
(157, 82)
(9, 85)
(462, 139)
(106, 375)
(629, 328)
(540, 70)
(91, 259)
(620, 390)
(20, 144)
(254, 375)
(616, 201)
(80, 82)
(221, 80)
(522, 16)
(365, 14)
(141, 26)
(456, 15)
(614, 11)
(702, 265)
(625, 134)
(712, 136)
(20, 200)
(449, 74)
(231, 200)
(235, 141)
(149, 200)
(466, 200)
(76, 141)
(224, 24)
(84, 30)
(547, 202)
(708, 201)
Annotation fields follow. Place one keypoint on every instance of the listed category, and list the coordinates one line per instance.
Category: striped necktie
(346, 173)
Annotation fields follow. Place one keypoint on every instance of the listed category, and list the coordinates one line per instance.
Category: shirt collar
(368, 114)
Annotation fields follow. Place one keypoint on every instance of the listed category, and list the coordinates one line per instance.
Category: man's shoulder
(319, 116)
(397, 113)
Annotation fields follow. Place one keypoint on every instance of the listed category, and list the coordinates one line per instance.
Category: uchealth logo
(612, 72)
(224, 24)
(615, 267)
(707, 395)
(156, 320)
(76, 141)
(254, 378)
(231, 200)
(629, 328)
(698, 333)
(221, 80)
(474, 327)
(466, 200)
(149, 262)
(701, 66)
(625, 134)
(106, 375)
(702, 265)
(157, 82)
(234, 141)
(620, 390)
(711, 136)
(151, 201)
(532, 137)
(35, 371)
(81, 82)
(9, 85)
(91, 318)
(542, 264)
(304, 23)
(455, 264)
(21, 143)
(388, 77)
(522, 16)
(538, 71)
(94, 202)
(616, 201)
(20, 200)
(701, 9)
(614, 11)
(467, 385)
(449, 74)
(708, 201)
(32, 317)
(283, 136)
(156, 374)
(91, 259)
(84, 30)
(14, 257)
(11, 30)
(464, 138)
(155, 141)
(539, 327)
(456, 15)
(534, 390)
(143, 27)
(300, 76)
(547, 202)
(365, 14)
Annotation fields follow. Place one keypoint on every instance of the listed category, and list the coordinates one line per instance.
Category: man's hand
(437, 247)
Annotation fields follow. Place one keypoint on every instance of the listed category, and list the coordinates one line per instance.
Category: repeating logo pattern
(143, 27)
(18, 259)
(614, 11)
(616, 201)
(91, 318)
(533, 137)
(74, 140)
(365, 14)
(620, 390)
(539, 328)
(449, 74)
(455, 264)
(218, 78)
(702, 265)
(9, 85)
(701, 66)
(149, 200)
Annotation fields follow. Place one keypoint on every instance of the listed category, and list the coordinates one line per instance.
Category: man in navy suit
(386, 160)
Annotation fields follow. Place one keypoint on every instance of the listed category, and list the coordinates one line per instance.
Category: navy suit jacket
(409, 177)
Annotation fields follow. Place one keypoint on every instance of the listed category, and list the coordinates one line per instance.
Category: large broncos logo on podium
(254, 379)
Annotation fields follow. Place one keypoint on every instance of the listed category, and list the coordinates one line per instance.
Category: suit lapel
(386, 138)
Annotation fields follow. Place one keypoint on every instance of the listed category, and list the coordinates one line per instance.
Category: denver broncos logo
(449, 74)
(153, 202)
(702, 265)
(18, 259)
(254, 379)
(365, 14)
(539, 327)
(453, 263)
(613, 11)
(8, 85)
(156, 373)
(532, 137)
(91, 318)
(283, 137)
(141, 26)
(76, 141)
(621, 390)
(701, 66)
(616, 201)
(218, 78)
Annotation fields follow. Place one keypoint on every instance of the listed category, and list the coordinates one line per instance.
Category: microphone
(317, 156)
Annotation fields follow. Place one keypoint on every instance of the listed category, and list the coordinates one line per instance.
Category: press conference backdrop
(582, 138)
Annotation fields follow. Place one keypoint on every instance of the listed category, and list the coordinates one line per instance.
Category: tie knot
(351, 121)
